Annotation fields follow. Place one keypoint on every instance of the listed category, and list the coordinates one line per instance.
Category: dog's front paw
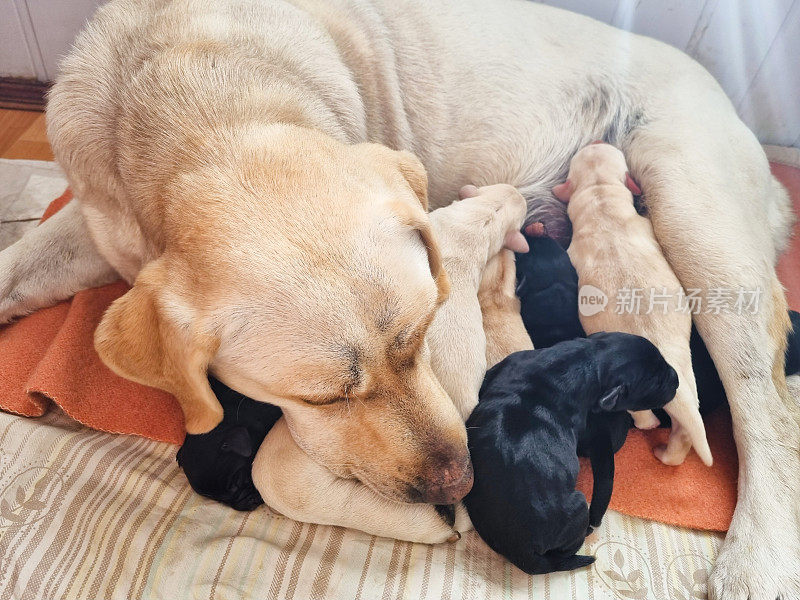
(761, 566)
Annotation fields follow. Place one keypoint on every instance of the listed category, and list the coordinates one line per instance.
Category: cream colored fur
(500, 309)
(613, 249)
(471, 232)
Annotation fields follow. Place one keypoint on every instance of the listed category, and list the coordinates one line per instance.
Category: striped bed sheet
(86, 514)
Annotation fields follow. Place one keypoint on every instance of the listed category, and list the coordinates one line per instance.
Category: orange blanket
(49, 357)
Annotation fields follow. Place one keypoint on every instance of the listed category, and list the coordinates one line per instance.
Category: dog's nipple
(516, 242)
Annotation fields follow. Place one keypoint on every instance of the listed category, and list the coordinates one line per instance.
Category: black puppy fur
(524, 433)
(547, 287)
(218, 464)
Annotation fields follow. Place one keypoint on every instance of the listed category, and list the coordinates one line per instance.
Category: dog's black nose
(449, 483)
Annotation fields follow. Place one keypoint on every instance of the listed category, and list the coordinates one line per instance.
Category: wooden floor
(23, 135)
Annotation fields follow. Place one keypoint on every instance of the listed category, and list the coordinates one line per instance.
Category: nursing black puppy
(218, 464)
(524, 433)
(547, 287)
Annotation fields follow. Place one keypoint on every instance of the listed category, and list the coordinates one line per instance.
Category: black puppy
(547, 287)
(218, 464)
(524, 433)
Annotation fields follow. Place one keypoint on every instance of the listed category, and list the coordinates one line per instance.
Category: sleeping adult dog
(239, 162)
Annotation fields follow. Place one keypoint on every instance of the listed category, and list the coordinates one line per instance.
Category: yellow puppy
(470, 235)
(615, 249)
(502, 322)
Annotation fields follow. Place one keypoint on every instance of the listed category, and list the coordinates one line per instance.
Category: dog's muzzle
(449, 482)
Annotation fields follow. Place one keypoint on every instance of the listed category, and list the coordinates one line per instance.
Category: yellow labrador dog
(470, 234)
(613, 248)
(223, 161)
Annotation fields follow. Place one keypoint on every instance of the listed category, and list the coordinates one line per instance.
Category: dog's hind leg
(291, 483)
(50, 263)
(707, 184)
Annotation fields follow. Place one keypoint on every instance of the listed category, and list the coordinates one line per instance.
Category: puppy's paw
(756, 567)
(431, 526)
(645, 419)
(447, 512)
(669, 457)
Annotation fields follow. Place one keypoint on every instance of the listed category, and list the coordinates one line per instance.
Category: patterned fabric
(86, 514)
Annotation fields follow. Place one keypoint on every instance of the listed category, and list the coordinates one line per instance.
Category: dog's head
(596, 164)
(303, 272)
(633, 374)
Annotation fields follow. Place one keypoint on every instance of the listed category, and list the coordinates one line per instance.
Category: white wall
(751, 46)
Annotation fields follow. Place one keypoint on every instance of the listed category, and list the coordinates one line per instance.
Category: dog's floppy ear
(141, 339)
(418, 219)
(416, 176)
(609, 400)
(563, 191)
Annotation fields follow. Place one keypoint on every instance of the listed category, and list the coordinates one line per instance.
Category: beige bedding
(85, 514)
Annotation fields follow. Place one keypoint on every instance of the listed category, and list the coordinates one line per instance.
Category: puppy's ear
(418, 219)
(141, 339)
(563, 191)
(609, 401)
(632, 185)
(238, 441)
(416, 176)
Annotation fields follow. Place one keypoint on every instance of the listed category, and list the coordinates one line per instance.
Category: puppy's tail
(687, 424)
(540, 564)
(569, 563)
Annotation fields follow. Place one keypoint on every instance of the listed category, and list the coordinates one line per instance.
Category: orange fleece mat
(49, 357)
